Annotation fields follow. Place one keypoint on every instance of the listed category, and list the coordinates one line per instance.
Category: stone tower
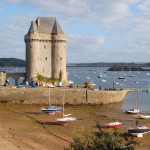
(45, 49)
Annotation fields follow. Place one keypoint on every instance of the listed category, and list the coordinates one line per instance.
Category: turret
(59, 56)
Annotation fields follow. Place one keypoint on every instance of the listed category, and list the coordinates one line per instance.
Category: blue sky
(96, 30)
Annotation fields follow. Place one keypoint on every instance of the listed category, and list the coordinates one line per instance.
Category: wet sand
(24, 126)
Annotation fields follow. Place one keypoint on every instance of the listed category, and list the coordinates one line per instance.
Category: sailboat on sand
(142, 116)
(135, 110)
(139, 130)
(114, 124)
(51, 109)
(65, 119)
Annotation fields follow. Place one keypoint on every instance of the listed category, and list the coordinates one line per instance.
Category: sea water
(140, 80)
(80, 75)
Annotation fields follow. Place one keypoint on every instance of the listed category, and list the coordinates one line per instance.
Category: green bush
(41, 78)
(101, 140)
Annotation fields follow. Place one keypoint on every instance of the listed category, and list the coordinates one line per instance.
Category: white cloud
(144, 6)
(12, 36)
(86, 10)
(123, 26)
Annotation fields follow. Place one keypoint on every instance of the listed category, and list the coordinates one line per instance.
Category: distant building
(45, 49)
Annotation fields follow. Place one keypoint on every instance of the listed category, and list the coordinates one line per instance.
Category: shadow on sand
(48, 123)
(34, 113)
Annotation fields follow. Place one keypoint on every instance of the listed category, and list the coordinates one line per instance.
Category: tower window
(44, 46)
(60, 58)
(43, 69)
(45, 58)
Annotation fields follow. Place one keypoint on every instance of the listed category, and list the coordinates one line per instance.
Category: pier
(73, 96)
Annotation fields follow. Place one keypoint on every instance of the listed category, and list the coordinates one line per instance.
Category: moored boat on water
(101, 76)
(148, 90)
(103, 80)
(131, 75)
(121, 78)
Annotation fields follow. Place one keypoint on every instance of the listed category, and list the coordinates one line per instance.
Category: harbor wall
(56, 95)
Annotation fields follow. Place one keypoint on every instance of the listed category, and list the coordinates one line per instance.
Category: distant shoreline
(15, 62)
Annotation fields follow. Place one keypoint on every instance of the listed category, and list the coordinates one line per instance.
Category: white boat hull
(139, 131)
(66, 120)
(143, 117)
(133, 111)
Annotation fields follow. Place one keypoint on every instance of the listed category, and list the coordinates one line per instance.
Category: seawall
(72, 96)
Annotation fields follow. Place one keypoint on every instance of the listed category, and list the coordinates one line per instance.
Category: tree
(60, 75)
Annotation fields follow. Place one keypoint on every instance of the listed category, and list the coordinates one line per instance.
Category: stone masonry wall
(71, 96)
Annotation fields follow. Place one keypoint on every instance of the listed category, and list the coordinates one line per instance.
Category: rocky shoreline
(127, 68)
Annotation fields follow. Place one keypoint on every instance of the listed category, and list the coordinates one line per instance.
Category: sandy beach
(19, 131)
(25, 127)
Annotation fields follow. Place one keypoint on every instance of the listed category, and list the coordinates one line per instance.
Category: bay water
(133, 79)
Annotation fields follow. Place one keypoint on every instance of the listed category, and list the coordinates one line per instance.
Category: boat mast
(49, 100)
(137, 98)
(63, 102)
(148, 83)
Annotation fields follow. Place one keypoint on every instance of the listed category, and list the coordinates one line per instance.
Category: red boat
(113, 124)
